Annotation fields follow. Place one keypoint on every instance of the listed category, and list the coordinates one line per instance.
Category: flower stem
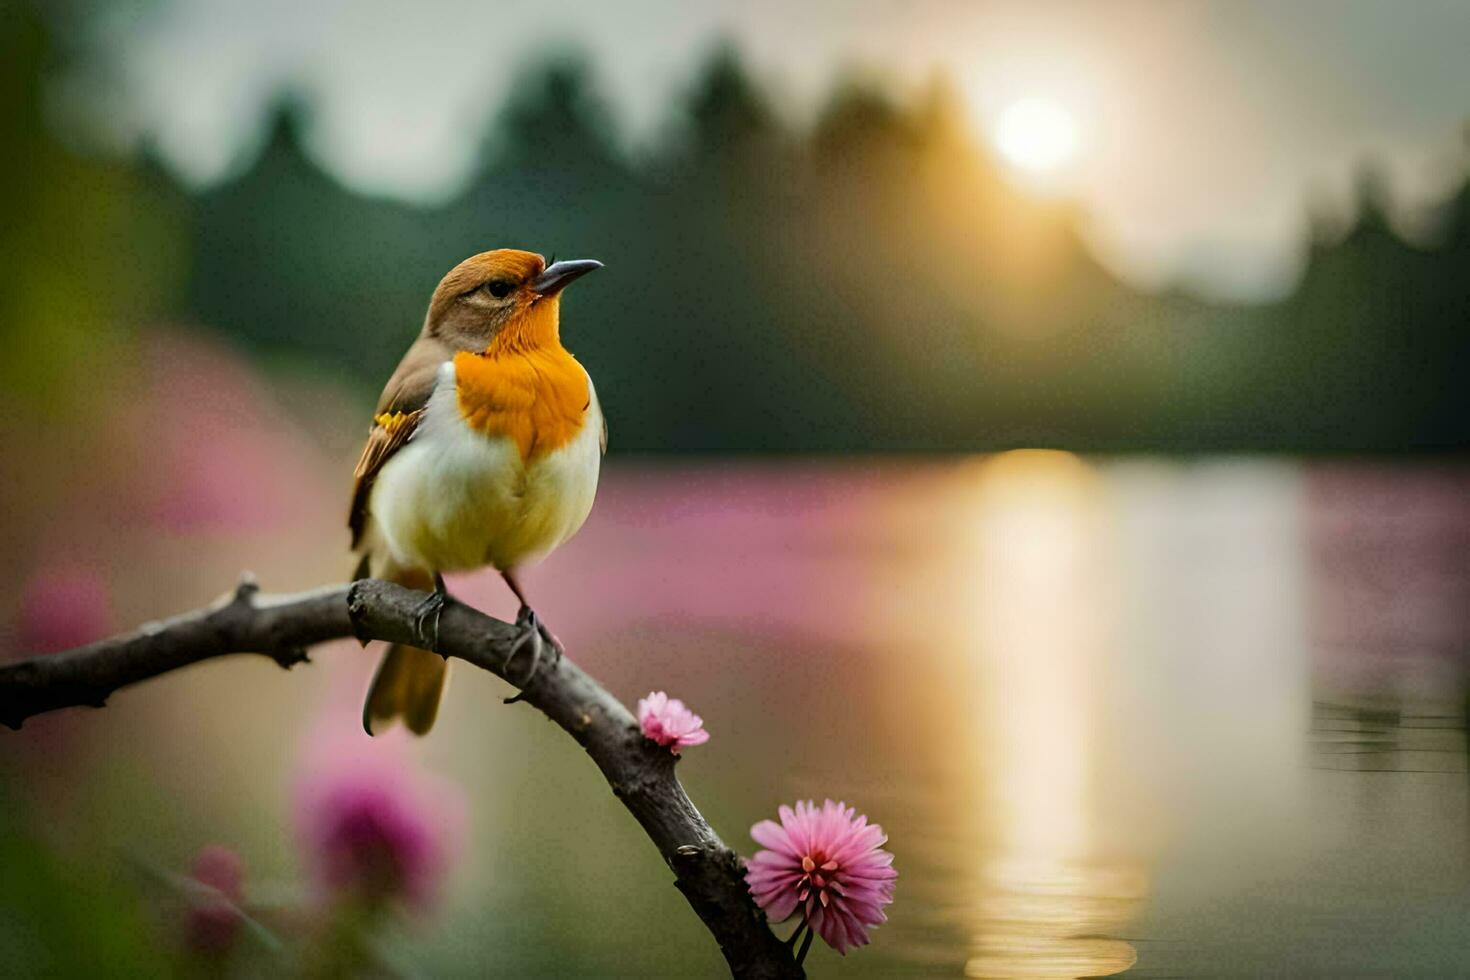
(806, 944)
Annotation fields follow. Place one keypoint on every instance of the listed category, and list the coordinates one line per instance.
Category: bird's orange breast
(538, 398)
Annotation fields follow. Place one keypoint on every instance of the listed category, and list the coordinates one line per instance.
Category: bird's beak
(560, 275)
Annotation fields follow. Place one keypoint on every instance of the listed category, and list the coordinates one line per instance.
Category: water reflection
(1048, 918)
(1035, 632)
(1366, 738)
(1389, 553)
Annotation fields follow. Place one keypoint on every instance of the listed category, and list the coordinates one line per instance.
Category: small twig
(194, 890)
(709, 874)
(806, 944)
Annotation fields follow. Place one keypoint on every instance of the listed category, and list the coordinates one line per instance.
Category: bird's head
(505, 293)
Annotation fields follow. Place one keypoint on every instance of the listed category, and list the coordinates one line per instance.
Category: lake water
(1179, 719)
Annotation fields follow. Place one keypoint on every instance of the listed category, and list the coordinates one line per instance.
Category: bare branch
(641, 774)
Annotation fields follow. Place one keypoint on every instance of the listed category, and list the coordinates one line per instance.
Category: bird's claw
(534, 632)
(426, 617)
(551, 640)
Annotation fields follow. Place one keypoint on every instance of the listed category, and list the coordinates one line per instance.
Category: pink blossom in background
(369, 841)
(61, 608)
(213, 922)
(373, 827)
(666, 721)
(232, 462)
(828, 862)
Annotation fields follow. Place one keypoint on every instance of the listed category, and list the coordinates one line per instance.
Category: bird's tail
(409, 681)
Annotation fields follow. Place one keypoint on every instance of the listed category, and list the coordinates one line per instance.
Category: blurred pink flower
(372, 842)
(61, 608)
(233, 462)
(666, 721)
(374, 828)
(829, 862)
(213, 921)
(61, 605)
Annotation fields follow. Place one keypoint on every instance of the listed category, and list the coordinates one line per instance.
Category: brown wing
(400, 409)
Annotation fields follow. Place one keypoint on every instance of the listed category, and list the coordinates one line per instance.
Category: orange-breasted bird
(484, 451)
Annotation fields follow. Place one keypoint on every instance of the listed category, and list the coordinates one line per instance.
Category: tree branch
(641, 774)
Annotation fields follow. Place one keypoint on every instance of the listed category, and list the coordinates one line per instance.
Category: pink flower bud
(666, 721)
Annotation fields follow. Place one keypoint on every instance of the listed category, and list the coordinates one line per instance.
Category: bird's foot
(535, 633)
(553, 641)
(426, 617)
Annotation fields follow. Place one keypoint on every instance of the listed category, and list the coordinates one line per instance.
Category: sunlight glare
(1036, 136)
(1039, 635)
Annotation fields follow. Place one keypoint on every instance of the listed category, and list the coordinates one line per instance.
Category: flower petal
(770, 834)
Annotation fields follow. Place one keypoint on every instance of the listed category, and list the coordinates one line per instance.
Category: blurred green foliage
(91, 246)
(61, 920)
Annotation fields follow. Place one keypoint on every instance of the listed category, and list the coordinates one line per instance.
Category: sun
(1037, 137)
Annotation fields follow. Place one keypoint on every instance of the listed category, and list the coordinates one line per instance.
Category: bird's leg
(426, 616)
(533, 631)
(556, 646)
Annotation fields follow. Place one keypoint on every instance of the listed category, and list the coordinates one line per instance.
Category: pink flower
(213, 922)
(666, 721)
(375, 829)
(830, 862)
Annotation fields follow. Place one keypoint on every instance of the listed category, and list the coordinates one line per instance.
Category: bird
(484, 450)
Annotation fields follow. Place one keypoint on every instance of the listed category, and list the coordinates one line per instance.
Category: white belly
(454, 499)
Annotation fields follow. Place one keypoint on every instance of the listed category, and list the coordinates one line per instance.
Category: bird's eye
(499, 288)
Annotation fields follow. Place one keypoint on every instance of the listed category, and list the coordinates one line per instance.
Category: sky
(1199, 131)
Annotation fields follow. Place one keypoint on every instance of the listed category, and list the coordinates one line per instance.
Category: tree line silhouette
(874, 283)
